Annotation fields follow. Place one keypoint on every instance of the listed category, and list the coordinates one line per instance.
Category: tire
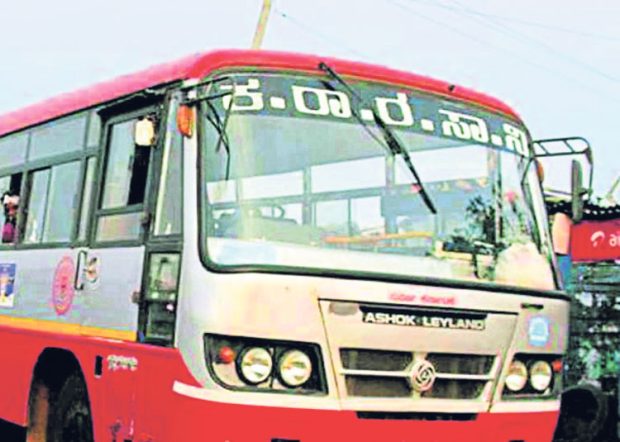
(10, 432)
(70, 418)
(582, 414)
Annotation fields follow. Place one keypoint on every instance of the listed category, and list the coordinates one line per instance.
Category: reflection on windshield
(314, 192)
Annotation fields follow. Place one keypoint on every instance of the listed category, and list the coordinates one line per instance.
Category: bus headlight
(266, 365)
(541, 375)
(517, 376)
(294, 368)
(255, 365)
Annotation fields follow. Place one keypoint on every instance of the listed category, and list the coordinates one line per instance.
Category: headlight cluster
(256, 364)
(533, 375)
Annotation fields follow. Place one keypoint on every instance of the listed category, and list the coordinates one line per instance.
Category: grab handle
(80, 268)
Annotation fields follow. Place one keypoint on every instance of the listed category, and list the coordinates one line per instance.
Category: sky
(555, 62)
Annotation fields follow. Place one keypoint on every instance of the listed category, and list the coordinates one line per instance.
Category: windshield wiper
(393, 144)
(220, 126)
(213, 117)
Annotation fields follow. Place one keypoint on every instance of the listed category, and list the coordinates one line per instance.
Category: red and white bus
(260, 246)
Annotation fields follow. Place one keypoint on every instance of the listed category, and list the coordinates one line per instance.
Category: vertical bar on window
(163, 180)
(86, 198)
(37, 203)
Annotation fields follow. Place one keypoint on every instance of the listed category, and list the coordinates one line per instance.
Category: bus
(263, 246)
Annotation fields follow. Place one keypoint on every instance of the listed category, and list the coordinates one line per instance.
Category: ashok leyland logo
(422, 376)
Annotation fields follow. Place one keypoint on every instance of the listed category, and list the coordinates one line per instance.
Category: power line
(315, 34)
(531, 23)
(328, 39)
(500, 49)
(511, 32)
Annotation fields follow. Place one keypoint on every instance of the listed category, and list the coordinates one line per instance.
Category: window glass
(126, 168)
(369, 172)
(517, 223)
(333, 216)
(61, 206)
(36, 206)
(222, 191)
(292, 212)
(366, 217)
(5, 183)
(119, 227)
(449, 201)
(51, 204)
(13, 150)
(87, 197)
(58, 137)
(265, 186)
(9, 190)
(170, 199)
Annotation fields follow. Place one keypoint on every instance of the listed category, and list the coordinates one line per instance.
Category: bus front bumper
(205, 420)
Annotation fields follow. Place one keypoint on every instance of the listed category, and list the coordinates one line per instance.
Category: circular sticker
(62, 288)
(539, 331)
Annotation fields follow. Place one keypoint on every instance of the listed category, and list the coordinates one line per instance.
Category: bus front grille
(386, 374)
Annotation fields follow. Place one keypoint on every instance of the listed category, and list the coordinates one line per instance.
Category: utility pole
(609, 197)
(262, 25)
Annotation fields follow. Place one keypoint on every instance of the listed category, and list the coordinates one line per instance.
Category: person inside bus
(10, 201)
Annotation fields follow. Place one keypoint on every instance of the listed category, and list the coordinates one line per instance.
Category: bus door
(110, 266)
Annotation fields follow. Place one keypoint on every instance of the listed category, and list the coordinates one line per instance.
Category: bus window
(123, 227)
(126, 171)
(124, 184)
(51, 204)
(58, 137)
(9, 189)
(13, 150)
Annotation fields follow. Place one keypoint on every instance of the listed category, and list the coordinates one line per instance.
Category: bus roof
(199, 65)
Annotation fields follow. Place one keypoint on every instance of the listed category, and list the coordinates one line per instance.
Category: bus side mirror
(577, 191)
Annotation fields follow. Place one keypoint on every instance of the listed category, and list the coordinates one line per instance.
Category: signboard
(453, 319)
(7, 285)
(595, 240)
(316, 98)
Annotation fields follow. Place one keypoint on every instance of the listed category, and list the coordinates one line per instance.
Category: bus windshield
(297, 173)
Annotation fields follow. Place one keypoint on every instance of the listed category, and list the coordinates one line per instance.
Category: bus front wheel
(70, 418)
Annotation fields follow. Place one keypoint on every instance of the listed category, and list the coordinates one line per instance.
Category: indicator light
(226, 355)
(185, 120)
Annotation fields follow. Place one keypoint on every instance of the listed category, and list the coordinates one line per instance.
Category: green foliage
(594, 345)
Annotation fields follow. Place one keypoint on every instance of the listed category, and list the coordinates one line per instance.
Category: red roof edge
(294, 61)
(96, 94)
(199, 65)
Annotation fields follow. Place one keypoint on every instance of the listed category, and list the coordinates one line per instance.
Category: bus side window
(12, 154)
(125, 176)
(124, 185)
(51, 204)
(9, 190)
